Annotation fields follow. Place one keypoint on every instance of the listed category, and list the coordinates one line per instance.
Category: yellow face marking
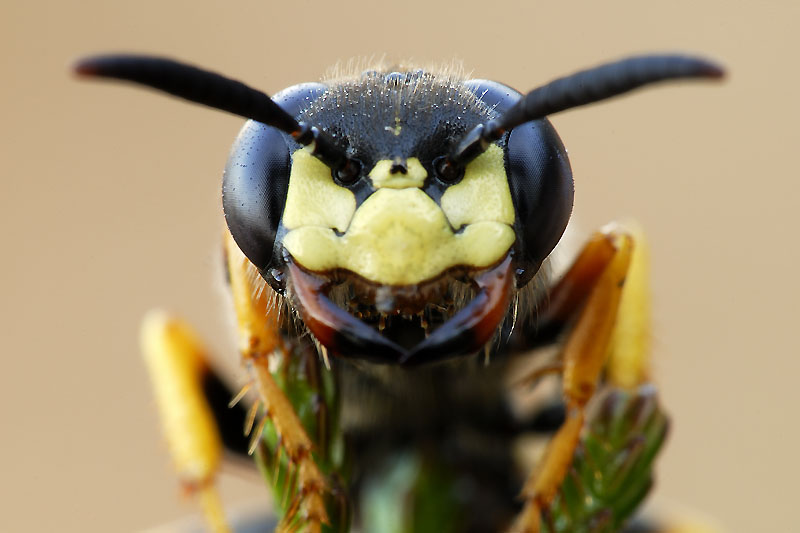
(399, 237)
(483, 194)
(313, 198)
(382, 177)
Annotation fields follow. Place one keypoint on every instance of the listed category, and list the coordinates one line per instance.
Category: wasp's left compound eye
(540, 180)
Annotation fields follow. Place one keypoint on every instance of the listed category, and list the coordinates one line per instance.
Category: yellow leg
(601, 271)
(176, 363)
(629, 351)
(259, 338)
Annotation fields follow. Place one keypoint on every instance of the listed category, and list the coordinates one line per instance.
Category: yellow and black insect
(389, 235)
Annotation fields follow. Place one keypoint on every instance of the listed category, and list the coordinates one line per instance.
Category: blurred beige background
(110, 205)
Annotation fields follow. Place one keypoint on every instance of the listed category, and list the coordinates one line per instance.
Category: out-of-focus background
(110, 205)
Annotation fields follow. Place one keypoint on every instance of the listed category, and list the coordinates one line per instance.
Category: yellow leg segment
(176, 363)
(611, 332)
(629, 352)
(259, 338)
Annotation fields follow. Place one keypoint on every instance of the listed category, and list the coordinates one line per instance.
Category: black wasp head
(399, 191)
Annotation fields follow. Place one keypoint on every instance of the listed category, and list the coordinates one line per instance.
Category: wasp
(387, 251)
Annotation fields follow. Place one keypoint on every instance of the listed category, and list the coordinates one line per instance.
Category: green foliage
(311, 390)
(612, 470)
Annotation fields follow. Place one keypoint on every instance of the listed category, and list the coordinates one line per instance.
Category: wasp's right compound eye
(254, 190)
(257, 178)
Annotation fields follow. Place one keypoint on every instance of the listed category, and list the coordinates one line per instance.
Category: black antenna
(579, 89)
(213, 90)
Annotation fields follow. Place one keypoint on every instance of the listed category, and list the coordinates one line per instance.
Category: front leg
(177, 364)
(592, 291)
(180, 374)
(260, 339)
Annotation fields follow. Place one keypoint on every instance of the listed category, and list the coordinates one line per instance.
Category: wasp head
(398, 212)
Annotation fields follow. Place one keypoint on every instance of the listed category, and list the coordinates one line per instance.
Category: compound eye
(256, 179)
(254, 190)
(349, 173)
(540, 180)
(446, 171)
